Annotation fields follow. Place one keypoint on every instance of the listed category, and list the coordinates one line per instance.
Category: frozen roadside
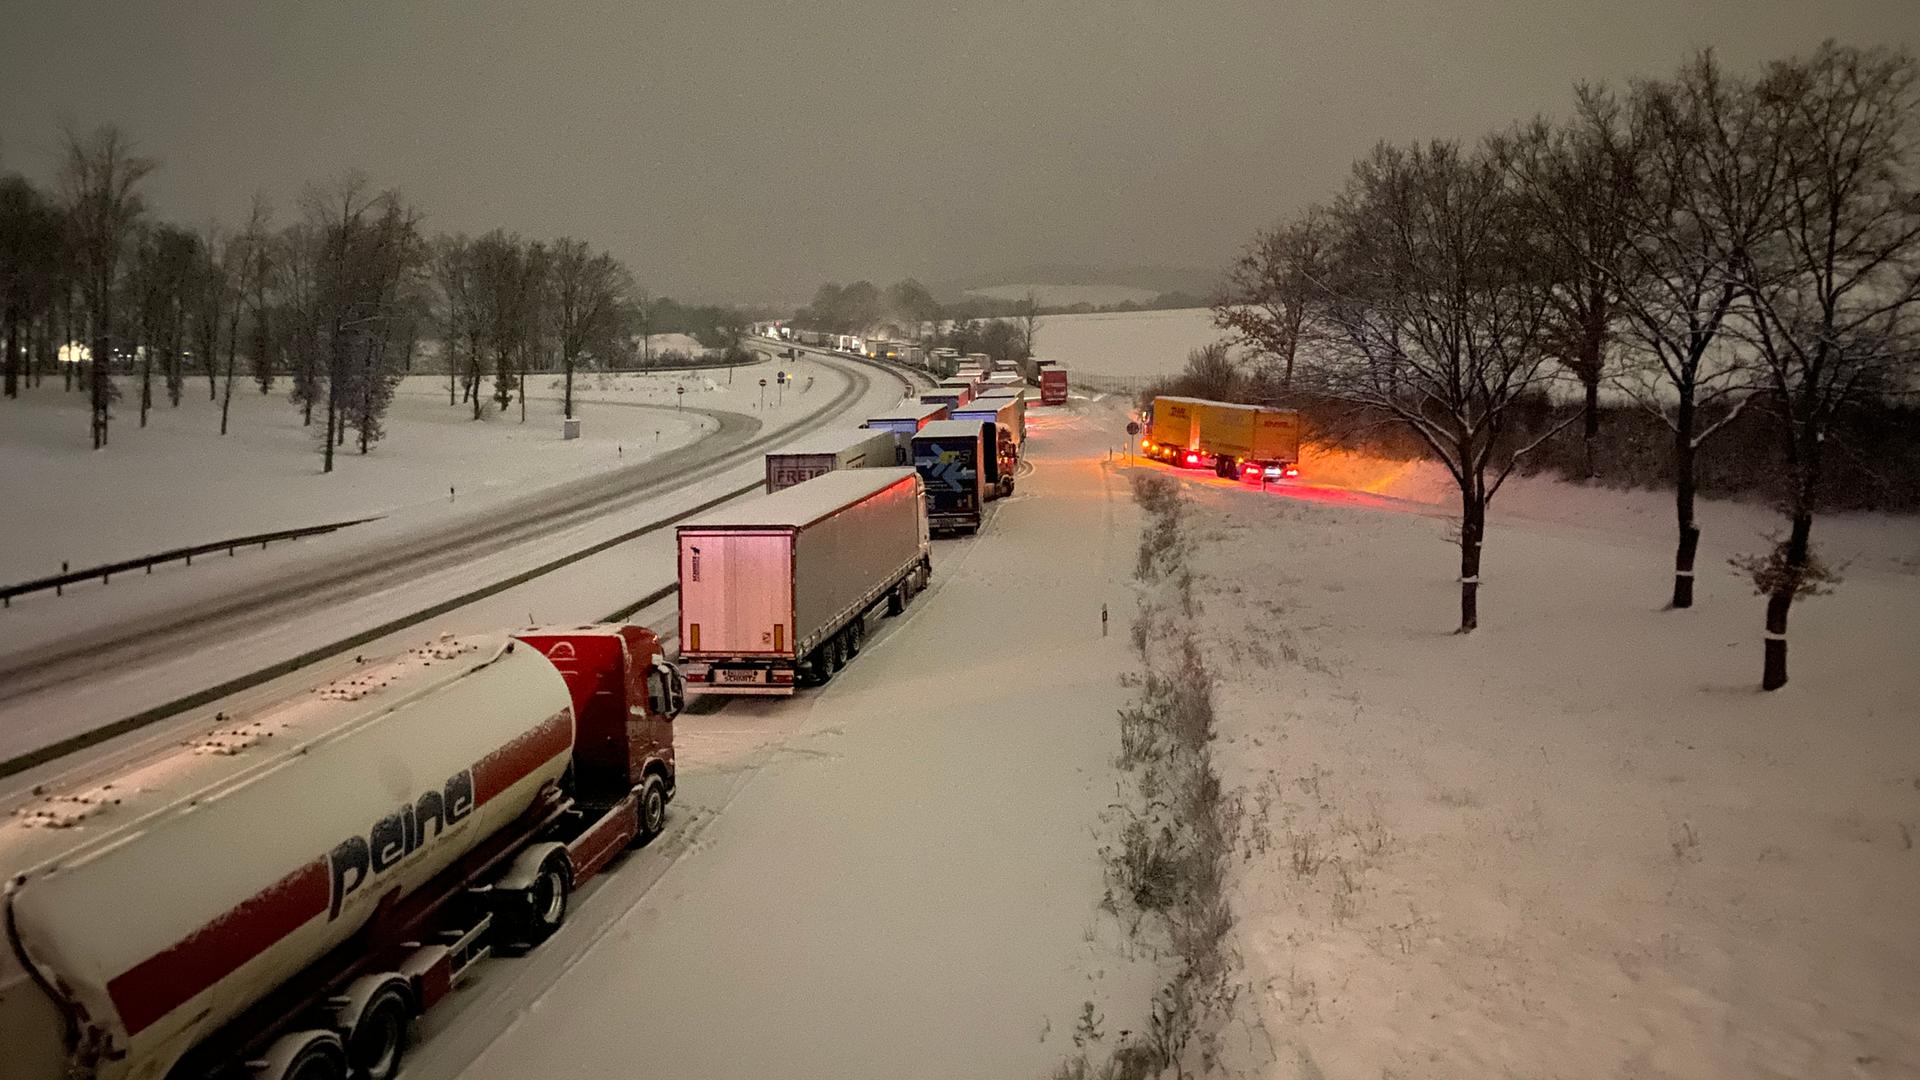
(1577, 842)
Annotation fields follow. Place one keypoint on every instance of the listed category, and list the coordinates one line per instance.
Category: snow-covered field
(178, 482)
(1130, 346)
(1578, 842)
(1066, 295)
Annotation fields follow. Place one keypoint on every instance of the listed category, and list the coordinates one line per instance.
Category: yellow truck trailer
(1248, 442)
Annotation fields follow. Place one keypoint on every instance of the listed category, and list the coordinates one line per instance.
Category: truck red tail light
(1293, 472)
(1193, 458)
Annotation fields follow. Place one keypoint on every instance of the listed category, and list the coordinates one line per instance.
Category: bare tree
(1027, 315)
(589, 292)
(1435, 315)
(1265, 300)
(1705, 185)
(100, 179)
(1836, 288)
(255, 268)
(1576, 183)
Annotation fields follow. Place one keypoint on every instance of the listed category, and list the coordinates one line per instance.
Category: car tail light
(1193, 459)
(1293, 472)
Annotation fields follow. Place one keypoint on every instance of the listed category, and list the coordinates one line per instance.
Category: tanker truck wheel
(653, 810)
(376, 1037)
(534, 906)
(302, 1055)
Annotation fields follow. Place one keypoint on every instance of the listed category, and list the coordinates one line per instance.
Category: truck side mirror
(668, 690)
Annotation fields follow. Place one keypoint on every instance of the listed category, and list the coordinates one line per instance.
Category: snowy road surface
(222, 618)
(895, 876)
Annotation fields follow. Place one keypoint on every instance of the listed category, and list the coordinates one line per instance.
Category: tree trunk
(333, 423)
(566, 408)
(1799, 546)
(233, 359)
(1473, 529)
(12, 317)
(1684, 487)
(146, 382)
(101, 390)
(1590, 434)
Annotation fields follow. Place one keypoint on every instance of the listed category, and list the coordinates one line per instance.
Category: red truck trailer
(280, 895)
(1053, 385)
(775, 591)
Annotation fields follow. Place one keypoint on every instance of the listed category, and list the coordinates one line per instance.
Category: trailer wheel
(379, 1037)
(653, 811)
(856, 636)
(837, 651)
(302, 1055)
(534, 912)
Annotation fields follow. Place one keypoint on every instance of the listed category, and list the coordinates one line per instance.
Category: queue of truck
(313, 875)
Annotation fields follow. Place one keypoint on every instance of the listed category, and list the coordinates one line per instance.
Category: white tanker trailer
(278, 897)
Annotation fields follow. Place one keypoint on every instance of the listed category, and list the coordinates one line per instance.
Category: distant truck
(951, 396)
(825, 451)
(1004, 428)
(904, 421)
(1246, 442)
(775, 592)
(947, 454)
(1053, 385)
(280, 896)
(817, 338)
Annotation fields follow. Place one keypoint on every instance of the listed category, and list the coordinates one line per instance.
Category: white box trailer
(775, 591)
(826, 451)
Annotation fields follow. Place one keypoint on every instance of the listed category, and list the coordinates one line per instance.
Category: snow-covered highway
(73, 665)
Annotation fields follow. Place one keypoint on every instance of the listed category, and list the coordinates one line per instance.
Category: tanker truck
(278, 896)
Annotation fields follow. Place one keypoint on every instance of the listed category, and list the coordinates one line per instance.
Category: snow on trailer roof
(828, 442)
(222, 751)
(1220, 404)
(949, 429)
(907, 412)
(983, 407)
(803, 503)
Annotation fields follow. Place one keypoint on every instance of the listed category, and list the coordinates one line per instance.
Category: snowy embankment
(179, 482)
(1579, 841)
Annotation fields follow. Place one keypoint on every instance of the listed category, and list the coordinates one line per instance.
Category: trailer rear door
(736, 592)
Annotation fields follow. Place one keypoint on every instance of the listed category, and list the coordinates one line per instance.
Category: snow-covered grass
(1065, 295)
(178, 482)
(1579, 841)
(1132, 346)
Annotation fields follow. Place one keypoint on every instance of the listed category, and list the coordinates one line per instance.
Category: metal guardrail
(59, 582)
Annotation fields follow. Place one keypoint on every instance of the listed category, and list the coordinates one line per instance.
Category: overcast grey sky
(752, 148)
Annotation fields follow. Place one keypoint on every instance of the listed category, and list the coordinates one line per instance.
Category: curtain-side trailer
(825, 451)
(1249, 442)
(775, 591)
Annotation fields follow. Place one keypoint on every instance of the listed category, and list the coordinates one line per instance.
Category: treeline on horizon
(333, 301)
(908, 307)
(1734, 254)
